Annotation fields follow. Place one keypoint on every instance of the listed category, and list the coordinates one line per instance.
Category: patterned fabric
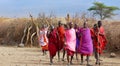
(43, 40)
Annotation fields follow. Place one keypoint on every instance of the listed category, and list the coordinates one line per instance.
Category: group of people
(73, 39)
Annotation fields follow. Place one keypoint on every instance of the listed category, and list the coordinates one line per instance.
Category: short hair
(95, 26)
(70, 23)
(85, 23)
(99, 23)
(59, 22)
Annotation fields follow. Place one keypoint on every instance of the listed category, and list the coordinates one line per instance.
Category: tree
(103, 11)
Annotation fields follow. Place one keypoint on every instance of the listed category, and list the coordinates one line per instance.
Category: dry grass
(11, 30)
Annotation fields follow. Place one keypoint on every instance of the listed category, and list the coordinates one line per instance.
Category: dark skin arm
(64, 40)
(48, 34)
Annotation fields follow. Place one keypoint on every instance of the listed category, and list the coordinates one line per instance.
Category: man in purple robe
(86, 46)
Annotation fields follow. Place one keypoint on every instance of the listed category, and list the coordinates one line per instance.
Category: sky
(22, 8)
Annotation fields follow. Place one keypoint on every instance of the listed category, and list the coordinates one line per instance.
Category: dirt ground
(14, 56)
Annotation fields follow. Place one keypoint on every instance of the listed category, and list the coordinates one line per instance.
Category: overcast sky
(21, 8)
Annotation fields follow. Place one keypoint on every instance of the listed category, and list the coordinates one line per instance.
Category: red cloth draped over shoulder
(61, 34)
(98, 36)
(52, 43)
(102, 38)
(94, 35)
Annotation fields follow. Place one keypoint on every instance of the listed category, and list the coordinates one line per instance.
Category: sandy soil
(14, 56)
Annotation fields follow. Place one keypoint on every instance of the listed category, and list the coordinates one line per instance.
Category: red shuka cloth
(69, 52)
(61, 34)
(102, 39)
(52, 43)
(99, 40)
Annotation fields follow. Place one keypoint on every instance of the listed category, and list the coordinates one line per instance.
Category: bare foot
(63, 60)
(68, 64)
(51, 63)
(71, 63)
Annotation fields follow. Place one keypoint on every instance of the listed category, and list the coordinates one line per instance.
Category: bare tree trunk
(22, 44)
(25, 30)
(32, 39)
(37, 28)
(28, 35)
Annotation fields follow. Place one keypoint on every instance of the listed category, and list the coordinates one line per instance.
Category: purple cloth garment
(77, 39)
(86, 46)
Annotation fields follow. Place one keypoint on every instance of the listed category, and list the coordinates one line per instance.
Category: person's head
(52, 28)
(71, 25)
(75, 26)
(59, 23)
(99, 24)
(95, 26)
(43, 27)
(66, 26)
(85, 24)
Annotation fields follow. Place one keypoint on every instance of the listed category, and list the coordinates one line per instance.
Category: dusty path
(14, 56)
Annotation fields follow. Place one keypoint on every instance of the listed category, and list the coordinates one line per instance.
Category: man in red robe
(101, 36)
(52, 44)
(96, 45)
(61, 38)
(99, 40)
